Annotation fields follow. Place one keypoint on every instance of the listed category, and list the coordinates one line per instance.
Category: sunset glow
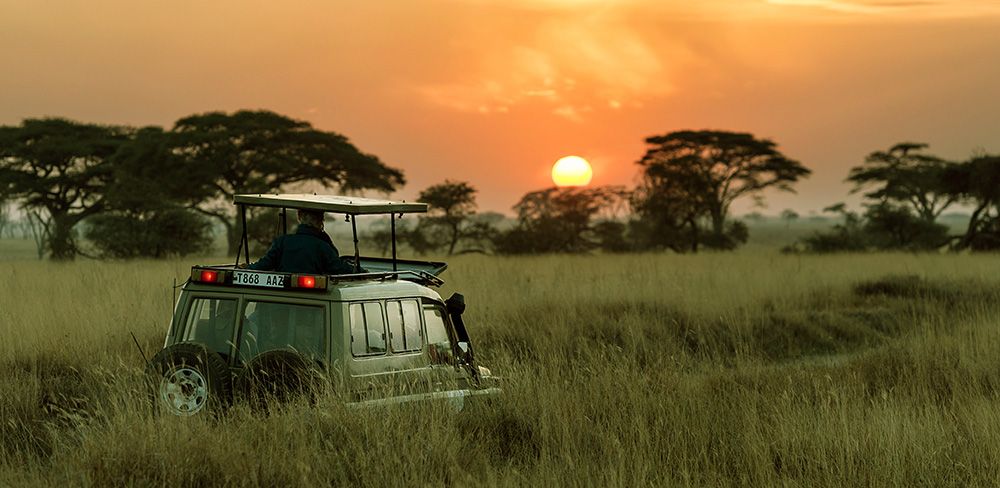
(429, 87)
(572, 171)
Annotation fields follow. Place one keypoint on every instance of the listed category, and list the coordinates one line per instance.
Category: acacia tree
(264, 152)
(57, 169)
(147, 203)
(688, 175)
(670, 201)
(978, 183)
(558, 220)
(906, 175)
(450, 205)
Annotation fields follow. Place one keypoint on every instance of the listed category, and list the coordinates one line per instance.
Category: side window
(367, 329)
(439, 345)
(268, 326)
(211, 321)
(404, 325)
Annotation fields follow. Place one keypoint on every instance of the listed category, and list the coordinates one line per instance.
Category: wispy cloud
(921, 8)
(568, 62)
(577, 57)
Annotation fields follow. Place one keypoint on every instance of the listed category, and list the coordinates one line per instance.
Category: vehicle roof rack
(348, 205)
(330, 203)
(416, 276)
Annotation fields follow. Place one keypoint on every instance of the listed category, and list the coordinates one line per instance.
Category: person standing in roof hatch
(308, 250)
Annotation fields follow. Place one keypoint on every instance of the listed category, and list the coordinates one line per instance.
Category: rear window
(211, 321)
(268, 326)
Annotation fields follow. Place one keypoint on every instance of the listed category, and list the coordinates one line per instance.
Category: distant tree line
(155, 192)
(905, 191)
(688, 183)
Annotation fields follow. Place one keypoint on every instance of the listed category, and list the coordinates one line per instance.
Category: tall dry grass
(620, 371)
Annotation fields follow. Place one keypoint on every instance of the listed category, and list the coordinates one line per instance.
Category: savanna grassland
(734, 369)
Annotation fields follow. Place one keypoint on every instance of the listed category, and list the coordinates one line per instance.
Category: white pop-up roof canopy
(330, 203)
(351, 206)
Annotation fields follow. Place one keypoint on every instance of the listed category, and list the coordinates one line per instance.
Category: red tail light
(314, 282)
(209, 275)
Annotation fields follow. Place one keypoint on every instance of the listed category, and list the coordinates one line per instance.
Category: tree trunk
(972, 229)
(718, 222)
(454, 240)
(61, 244)
(694, 235)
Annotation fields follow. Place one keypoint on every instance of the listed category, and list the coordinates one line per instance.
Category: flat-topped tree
(451, 204)
(704, 172)
(58, 169)
(264, 152)
(906, 175)
(977, 183)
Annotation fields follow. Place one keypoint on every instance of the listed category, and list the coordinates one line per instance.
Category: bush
(153, 234)
(897, 228)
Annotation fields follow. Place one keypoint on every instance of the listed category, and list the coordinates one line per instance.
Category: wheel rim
(184, 390)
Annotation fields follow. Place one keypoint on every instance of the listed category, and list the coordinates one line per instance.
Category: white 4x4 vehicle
(380, 336)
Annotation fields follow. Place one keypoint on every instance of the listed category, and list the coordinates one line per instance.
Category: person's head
(311, 217)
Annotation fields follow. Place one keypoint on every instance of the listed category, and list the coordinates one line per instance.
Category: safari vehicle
(379, 335)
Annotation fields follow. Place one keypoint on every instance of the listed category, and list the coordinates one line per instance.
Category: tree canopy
(977, 182)
(450, 206)
(261, 152)
(147, 202)
(906, 175)
(58, 169)
(558, 220)
(688, 176)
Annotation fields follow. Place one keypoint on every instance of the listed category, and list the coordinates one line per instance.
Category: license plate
(253, 278)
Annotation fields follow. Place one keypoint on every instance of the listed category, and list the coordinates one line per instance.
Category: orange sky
(494, 91)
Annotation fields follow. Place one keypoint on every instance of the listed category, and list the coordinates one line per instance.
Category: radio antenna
(141, 352)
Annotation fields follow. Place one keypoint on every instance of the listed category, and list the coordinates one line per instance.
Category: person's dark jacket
(308, 250)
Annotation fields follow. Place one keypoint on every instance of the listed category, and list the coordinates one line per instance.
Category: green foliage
(451, 204)
(558, 220)
(884, 226)
(891, 227)
(846, 236)
(160, 233)
(904, 175)
(690, 176)
(977, 182)
(611, 236)
(264, 152)
(58, 169)
(145, 203)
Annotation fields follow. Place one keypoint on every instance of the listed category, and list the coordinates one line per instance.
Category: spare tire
(278, 375)
(187, 379)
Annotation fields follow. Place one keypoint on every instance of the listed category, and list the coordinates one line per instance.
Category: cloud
(919, 8)
(568, 62)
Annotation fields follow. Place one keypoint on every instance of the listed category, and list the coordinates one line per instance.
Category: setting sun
(572, 171)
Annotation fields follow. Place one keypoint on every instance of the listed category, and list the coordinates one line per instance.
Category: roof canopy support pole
(284, 220)
(357, 252)
(392, 226)
(243, 234)
(246, 238)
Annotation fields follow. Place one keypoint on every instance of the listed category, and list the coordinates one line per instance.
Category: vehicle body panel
(409, 375)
